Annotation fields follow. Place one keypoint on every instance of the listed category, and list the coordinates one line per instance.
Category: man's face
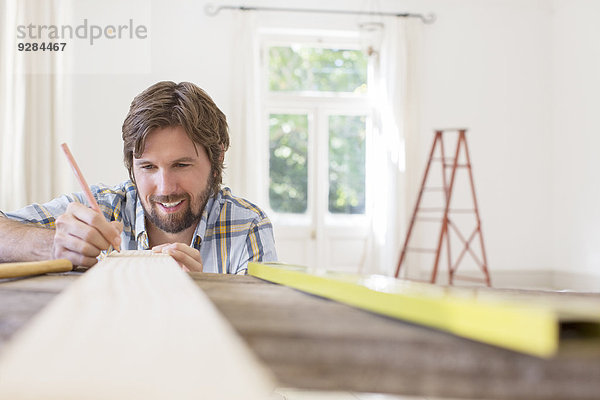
(173, 177)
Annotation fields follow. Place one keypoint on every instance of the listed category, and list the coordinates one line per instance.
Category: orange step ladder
(447, 225)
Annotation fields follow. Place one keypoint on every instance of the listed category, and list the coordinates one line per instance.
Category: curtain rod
(212, 11)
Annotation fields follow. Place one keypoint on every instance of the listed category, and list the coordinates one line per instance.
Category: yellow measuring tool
(515, 324)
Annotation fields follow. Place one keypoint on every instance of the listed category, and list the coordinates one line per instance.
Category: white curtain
(31, 104)
(394, 99)
(241, 161)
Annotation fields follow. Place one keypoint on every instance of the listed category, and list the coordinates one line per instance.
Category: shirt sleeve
(260, 245)
(45, 214)
(111, 201)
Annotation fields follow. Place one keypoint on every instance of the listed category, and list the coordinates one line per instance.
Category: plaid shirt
(232, 231)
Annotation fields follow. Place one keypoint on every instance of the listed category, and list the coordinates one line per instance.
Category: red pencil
(86, 189)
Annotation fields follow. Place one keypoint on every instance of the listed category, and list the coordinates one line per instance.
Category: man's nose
(166, 183)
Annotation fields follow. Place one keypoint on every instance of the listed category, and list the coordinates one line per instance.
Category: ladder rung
(421, 250)
(457, 165)
(451, 210)
(444, 159)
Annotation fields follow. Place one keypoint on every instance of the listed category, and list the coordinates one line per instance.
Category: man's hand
(187, 257)
(82, 233)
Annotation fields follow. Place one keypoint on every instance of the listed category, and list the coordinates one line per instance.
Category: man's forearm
(24, 242)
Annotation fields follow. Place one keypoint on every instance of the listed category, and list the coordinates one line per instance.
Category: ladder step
(451, 210)
(444, 159)
(457, 165)
(421, 250)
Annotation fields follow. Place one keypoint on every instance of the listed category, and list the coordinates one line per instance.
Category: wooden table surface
(313, 343)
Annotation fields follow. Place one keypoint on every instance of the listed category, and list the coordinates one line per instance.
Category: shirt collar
(200, 231)
(140, 226)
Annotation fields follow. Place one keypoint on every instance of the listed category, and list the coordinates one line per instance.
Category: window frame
(318, 106)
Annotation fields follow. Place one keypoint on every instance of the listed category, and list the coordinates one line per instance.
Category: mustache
(171, 198)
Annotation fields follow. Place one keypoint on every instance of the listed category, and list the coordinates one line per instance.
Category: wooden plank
(43, 283)
(131, 327)
(313, 343)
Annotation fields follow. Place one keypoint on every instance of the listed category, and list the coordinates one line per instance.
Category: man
(174, 141)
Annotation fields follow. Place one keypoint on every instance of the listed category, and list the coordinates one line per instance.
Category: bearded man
(174, 142)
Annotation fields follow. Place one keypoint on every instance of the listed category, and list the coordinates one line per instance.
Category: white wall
(576, 123)
(488, 68)
(186, 45)
(520, 74)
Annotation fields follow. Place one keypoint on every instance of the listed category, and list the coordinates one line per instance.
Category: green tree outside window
(288, 163)
(299, 68)
(347, 164)
(296, 69)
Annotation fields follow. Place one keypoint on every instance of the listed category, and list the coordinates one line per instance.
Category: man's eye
(181, 165)
(147, 166)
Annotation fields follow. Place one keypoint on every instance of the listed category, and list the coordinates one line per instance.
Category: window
(302, 68)
(316, 120)
(333, 80)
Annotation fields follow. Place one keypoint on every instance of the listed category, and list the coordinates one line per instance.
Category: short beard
(175, 223)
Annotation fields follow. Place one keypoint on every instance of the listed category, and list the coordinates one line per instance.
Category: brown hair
(182, 104)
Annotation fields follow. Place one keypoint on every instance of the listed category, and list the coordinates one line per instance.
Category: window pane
(300, 68)
(288, 166)
(347, 164)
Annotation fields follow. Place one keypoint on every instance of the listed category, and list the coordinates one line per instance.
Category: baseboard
(579, 282)
(526, 279)
(523, 279)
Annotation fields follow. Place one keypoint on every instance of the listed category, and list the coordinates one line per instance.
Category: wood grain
(132, 327)
(314, 343)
